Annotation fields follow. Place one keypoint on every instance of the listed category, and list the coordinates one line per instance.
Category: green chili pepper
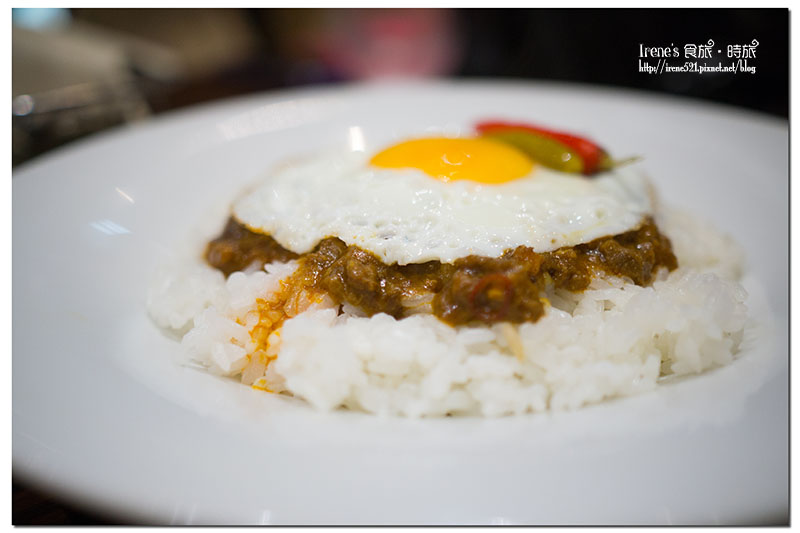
(556, 150)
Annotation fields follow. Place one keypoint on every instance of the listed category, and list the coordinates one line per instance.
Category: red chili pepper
(593, 156)
(486, 282)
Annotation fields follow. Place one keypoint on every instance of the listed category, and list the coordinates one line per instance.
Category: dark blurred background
(79, 71)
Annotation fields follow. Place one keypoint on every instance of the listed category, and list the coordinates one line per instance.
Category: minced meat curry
(472, 289)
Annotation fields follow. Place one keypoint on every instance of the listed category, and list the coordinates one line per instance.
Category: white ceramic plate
(104, 417)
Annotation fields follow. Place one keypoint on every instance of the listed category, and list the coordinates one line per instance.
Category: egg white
(405, 216)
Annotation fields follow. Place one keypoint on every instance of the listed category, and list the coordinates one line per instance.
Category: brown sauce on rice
(473, 289)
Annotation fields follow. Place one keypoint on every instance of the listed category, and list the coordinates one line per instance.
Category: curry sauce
(473, 289)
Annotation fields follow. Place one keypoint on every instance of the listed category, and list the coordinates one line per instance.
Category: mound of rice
(614, 339)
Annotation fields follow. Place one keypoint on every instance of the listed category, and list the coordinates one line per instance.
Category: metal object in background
(44, 120)
(66, 84)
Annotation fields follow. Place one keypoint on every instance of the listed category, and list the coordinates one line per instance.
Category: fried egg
(441, 199)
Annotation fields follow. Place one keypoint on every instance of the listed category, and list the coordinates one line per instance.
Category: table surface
(32, 507)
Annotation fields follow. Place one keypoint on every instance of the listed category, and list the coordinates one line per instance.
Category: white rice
(614, 339)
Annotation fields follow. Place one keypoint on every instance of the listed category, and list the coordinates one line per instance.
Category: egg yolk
(482, 160)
